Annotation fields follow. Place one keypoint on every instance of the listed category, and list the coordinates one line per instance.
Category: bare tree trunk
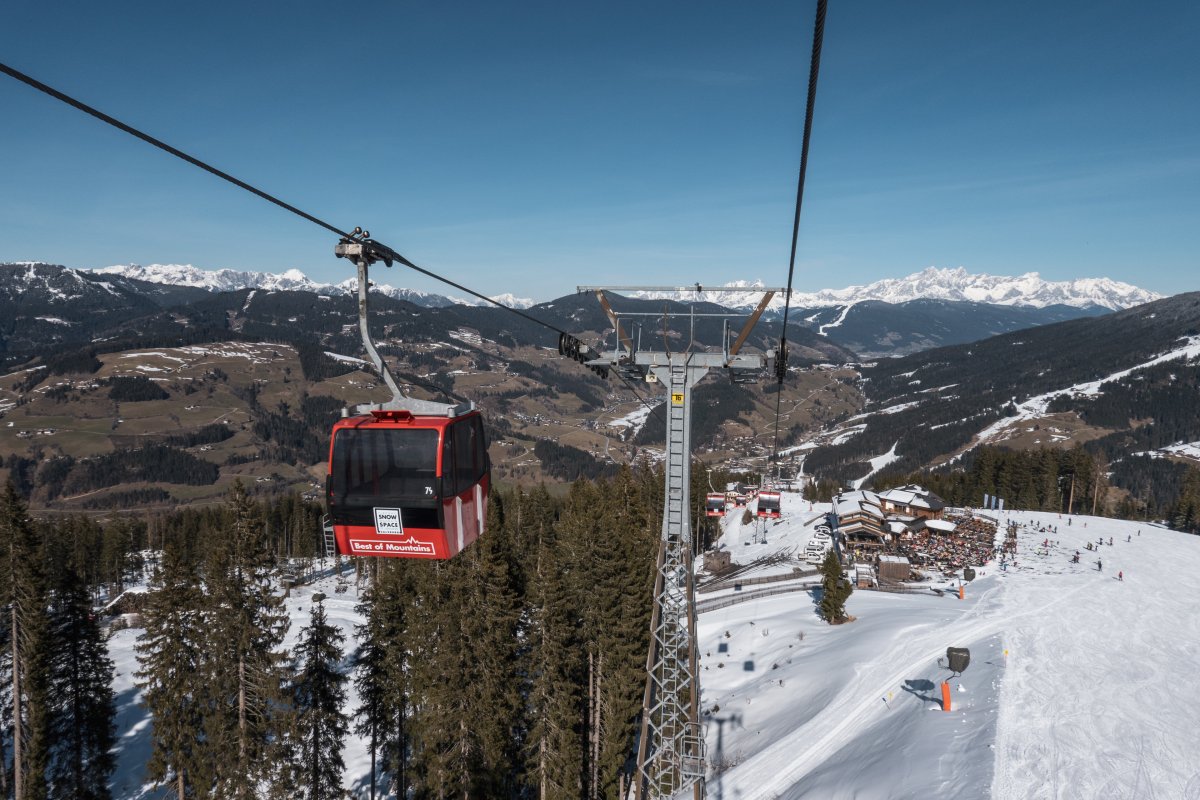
(316, 754)
(590, 724)
(465, 775)
(542, 768)
(1071, 500)
(18, 783)
(241, 712)
(373, 756)
(597, 728)
(180, 788)
(3, 770)
(402, 754)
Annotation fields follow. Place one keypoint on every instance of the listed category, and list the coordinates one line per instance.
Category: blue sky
(530, 147)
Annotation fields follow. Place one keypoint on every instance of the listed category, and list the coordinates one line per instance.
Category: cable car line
(145, 137)
(385, 253)
(814, 69)
(383, 250)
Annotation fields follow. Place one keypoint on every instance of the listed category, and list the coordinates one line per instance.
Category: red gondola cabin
(407, 486)
(768, 505)
(714, 505)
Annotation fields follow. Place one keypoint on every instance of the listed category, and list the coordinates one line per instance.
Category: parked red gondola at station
(714, 504)
(768, 505)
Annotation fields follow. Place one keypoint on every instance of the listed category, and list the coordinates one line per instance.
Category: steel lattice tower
(670, 757)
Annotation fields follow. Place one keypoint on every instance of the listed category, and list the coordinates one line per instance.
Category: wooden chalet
(861, 520)
(912, 501)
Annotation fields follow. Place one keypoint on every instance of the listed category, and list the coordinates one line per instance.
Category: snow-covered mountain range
(958, 284)
(933, 283)
(228, 280)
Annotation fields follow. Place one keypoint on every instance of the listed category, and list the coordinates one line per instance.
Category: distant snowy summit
(928, 284)
(229, 280)
(958, 284)
(221, 280)
(941, 284)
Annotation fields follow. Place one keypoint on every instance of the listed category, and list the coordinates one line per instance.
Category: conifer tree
(554, 692)
(461, 629)
(440, 754)
(174, 669)
(370, 719)
(83, 728)
(247, 666)
(622, 632)
(318, 694)
(29, 636)
(383, 670)
(489, 618)
(835, 590)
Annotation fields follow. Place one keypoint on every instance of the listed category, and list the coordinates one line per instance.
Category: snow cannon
(957, 659)
(969, 574)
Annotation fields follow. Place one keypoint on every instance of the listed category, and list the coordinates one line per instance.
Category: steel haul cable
(389, 252)
(813, 71)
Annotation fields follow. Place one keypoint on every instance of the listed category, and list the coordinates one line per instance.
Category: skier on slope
(1099, 565)
(1121, 576)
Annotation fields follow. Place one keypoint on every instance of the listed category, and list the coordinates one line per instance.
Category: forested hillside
(876, 329)
(216, 386)
(1078, 480)
(1111, 399)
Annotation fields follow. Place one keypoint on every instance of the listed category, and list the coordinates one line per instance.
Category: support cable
(782, 355)
(383, 250)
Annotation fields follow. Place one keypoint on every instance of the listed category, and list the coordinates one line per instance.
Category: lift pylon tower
(670, 756)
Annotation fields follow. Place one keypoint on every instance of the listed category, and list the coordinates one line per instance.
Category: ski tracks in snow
(1056, 738)
(1088, 708)
(858, 702)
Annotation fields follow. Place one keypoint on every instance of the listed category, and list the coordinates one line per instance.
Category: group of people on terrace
(971, 543)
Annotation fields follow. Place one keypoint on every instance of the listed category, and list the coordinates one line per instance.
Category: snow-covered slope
(944, 284)
(1078, 685)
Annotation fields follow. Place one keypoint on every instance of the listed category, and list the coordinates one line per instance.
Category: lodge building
(868, 520)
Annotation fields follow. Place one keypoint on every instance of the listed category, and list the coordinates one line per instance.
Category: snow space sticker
(387, 520)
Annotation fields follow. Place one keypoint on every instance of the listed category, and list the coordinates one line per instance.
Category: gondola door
(464, 471)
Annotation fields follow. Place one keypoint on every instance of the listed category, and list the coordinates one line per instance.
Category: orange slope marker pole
(960, 591)
(945, 695)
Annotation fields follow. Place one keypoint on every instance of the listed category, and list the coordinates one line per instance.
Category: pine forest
(513, 671)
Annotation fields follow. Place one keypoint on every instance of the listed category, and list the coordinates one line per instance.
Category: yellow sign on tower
(676, 398)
